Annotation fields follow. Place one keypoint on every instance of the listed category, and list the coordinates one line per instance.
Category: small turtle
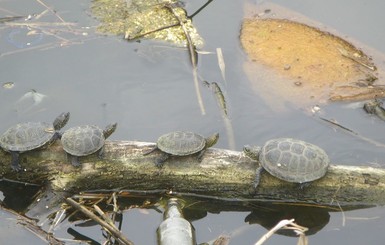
(31, 135)
(289, 159)
(85, 140)
(182, 143)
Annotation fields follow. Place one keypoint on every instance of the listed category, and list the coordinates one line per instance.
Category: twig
(193, 57)
(31, 226)
(355, 134)
(53, 11)
(285, 224)
(9, 19)
(190, 45)
(221, 64)
(345, 54)
(281, 224)
(104, 224)
(126, 36)
(36, 24)
(200, 9)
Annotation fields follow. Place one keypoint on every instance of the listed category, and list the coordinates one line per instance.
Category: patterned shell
(293, 160)
(83, 140)
(181, 143)
(27, 136)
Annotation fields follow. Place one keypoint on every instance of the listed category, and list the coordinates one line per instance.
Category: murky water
(147, 87)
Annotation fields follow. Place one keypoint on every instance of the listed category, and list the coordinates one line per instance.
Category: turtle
(289, 159)
(182, 143)
(85, 140)
(29, 136)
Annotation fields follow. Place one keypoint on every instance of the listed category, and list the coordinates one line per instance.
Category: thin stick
(104, 224)
(200, 9)
(37, 24)
(53, 11)
(30, 225)
(149, 32)
(281, 224)
(221, 64)
(190, 45)
(193, 58)
(103, 215)
(9, 19)
(355, 134)
(345, 54)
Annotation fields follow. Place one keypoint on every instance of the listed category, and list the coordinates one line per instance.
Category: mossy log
(221, 174)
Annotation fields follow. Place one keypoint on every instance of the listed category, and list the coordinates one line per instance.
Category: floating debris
(303, 65)
(375, 107)
(8, 85)
(11, 18)
(30, 100)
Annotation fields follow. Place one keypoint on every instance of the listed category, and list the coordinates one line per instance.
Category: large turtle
(182, 143)
(290, 159)
(85, 140)
(31, 135)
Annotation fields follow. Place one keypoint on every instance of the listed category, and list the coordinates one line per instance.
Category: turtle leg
(259, 171)
(58, 135)
(160, 160)
(101, 153)
(15, 162)
(150, 151)
(304, 185)
(200, 155)
(74, 160)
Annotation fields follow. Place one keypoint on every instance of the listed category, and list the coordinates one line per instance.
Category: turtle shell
(293, 160)
(181, 143)
(83, 140)
(27, 136)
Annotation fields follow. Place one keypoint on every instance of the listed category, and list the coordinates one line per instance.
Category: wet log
(221, 174)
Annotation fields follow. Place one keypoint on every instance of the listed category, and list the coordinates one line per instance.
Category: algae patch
(150, 19)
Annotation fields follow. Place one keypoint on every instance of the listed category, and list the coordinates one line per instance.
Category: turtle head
(61, 120)
(212, 140)
(109, 130)
(252, 151)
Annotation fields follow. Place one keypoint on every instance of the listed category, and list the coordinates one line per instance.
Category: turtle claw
(16, 167)
(160, 161)
(75, 161)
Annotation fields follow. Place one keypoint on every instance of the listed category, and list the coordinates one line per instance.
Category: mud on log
(221, 174)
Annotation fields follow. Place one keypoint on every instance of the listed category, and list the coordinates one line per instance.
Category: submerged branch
(109, 227)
